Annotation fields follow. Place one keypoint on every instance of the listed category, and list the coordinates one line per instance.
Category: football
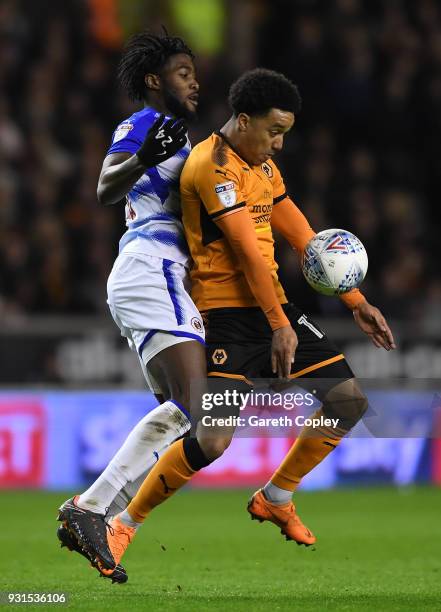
(334, 262)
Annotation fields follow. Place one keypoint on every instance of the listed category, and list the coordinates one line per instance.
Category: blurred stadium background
(365, 155)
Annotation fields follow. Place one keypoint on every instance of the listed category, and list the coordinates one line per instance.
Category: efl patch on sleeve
(122, 131)
(226, 194)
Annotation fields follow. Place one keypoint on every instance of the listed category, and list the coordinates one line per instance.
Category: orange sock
(310, 448)
(170, 474)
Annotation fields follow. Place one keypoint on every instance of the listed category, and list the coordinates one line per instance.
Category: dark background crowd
(365, 153)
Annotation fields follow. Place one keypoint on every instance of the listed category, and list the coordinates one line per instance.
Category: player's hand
(162, 141)
(283, 348)
(371, 321)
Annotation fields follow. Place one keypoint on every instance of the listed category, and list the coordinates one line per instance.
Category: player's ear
(243, 121)
(152, 81)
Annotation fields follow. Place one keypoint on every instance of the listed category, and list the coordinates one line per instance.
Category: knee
(347, 402)
(181, 394)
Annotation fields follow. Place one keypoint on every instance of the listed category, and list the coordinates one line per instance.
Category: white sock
(275, 494)
(127, 520)
(127, 493)
(157, 430)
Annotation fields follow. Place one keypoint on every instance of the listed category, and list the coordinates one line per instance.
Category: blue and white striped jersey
(153, 206)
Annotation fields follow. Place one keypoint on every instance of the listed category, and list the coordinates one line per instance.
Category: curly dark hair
(259, 90)
(146, 53)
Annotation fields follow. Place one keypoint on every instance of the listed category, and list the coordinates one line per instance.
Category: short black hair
(144, 53)
(259, 90)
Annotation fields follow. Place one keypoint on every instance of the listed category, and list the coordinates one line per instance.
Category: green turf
(378, 549)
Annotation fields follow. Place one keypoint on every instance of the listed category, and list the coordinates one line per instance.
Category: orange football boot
(282, 515)
(119, 537)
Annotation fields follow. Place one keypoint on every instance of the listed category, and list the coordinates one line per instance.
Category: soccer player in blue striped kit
(147, 288)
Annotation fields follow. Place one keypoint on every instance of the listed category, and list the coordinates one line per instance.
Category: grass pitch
(378, 549)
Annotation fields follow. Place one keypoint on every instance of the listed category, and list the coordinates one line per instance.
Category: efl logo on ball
(334, 262)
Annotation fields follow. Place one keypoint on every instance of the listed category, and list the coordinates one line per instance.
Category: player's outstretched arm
(238, 229)
(372, 322)
(121, 171)
(292, 224)
(289, 221)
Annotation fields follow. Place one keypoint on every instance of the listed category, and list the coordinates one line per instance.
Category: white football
(334, 262)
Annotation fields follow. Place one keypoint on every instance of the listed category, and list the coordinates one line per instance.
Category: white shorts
(149, 301)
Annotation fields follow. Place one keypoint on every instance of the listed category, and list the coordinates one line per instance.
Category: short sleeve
(219, 188)
(279, 189)
(130, 134)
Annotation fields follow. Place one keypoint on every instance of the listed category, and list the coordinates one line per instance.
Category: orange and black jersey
(229, 209)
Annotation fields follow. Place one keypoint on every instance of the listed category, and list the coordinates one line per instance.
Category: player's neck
(157, 103)
(232, 136)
